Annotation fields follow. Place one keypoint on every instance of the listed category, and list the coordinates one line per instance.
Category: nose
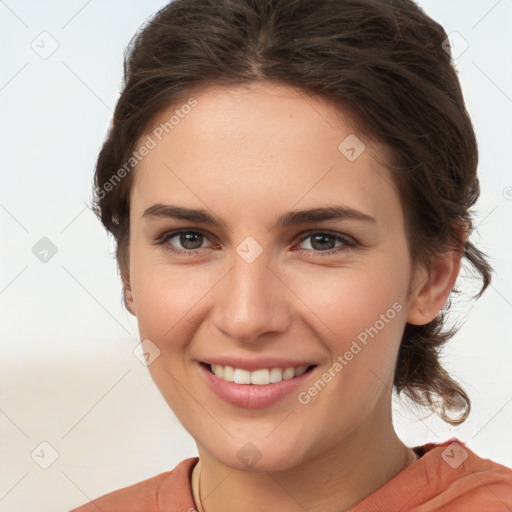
(251, 300)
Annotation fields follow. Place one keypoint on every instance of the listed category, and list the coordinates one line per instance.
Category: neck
(346, 474)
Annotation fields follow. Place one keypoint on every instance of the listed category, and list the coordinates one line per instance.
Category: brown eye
(327, 242)
(191, 240)
(322, 242)
(182, 242)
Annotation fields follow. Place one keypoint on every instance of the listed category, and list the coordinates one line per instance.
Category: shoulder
(148, 494)
(448, 477)
(456, 478)
(476, 481)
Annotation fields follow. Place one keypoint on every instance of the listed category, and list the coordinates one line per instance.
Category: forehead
(259, 147)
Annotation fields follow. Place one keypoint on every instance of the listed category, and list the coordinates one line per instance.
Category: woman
(289, 184)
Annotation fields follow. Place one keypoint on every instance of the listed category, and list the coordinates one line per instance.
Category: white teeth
(300, 370)
(218, 370)
(229, 373)
(242, 376)
(276, 375)
(288, 374)
(257, 377)
(260, 377)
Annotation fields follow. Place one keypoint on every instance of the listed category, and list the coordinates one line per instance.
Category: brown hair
(383, 61)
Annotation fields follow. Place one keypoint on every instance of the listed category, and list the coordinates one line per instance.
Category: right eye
(189, 240)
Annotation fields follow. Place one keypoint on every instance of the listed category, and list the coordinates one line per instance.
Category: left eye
(324, 241)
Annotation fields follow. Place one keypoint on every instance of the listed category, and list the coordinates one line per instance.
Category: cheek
(162, 293)
(365, 323)
(166, 298)
(349, 301)
(361, 315)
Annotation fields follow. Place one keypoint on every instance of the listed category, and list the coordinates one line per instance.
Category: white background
(68, 375)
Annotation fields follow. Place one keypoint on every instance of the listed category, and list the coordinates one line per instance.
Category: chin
(259, 456)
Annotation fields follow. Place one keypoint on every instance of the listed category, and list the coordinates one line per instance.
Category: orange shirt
(448, 477)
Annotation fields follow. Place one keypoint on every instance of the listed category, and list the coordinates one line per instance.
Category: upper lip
(257, 363)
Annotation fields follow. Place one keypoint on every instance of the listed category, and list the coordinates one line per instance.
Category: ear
(433, 288)
(128, 298)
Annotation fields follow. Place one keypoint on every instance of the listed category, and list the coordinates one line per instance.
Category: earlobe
(128, 299)
(433, 290)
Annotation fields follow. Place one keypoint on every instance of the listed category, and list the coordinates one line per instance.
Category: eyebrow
(336, 212)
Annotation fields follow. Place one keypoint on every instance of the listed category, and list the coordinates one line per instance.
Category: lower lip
(252, 396)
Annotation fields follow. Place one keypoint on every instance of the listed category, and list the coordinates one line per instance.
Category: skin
(248, 154)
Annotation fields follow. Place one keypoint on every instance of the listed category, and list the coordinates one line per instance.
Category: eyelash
(347, 242)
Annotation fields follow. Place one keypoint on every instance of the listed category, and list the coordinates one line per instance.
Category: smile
(255, 388)
(258, 377)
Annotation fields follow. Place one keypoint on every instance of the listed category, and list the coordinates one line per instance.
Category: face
(262, 239)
